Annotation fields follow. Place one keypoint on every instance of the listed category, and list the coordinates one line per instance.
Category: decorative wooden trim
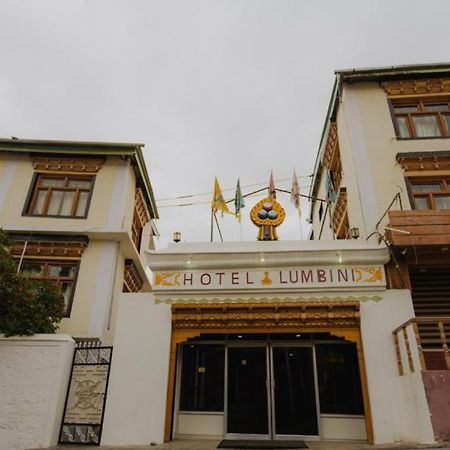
(424, 164)
(132, 282)
(263, 300)
(339, 216)
(141, 209)
(83, 165)
(42, 249)
(331, 152)
(256, 315)
(416, 87)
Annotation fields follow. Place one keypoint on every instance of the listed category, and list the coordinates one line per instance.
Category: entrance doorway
(268, 386)
(270, 391)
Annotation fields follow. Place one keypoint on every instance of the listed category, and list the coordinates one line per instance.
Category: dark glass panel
(436, 107)
(202, 378)
(295, 401)
(405, 109)
(402, 126)
(421, 202)
(247, 391)
(338, 377)
(32, 270)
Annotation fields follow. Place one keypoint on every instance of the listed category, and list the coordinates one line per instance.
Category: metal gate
(85, 402)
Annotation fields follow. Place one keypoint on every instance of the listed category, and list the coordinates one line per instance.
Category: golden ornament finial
(267, 214)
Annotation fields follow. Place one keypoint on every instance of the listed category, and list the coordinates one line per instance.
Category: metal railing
(430, 336)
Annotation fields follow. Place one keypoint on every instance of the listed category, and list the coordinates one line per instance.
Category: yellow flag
(218, 202)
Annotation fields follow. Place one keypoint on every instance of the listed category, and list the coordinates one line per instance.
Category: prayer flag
(295, 193)
(238, 201)
(218, 202)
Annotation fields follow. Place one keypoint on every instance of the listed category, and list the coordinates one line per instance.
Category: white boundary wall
(34, 374)
(136, 399)
(398, 404)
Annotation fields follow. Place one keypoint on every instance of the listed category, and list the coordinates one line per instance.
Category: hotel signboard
(301, 278)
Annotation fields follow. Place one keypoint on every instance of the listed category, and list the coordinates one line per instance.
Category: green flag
(238, 201)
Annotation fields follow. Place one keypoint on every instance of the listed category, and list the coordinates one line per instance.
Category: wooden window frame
(420, 104)
(35, 188)
(57, 262)
(444, 182)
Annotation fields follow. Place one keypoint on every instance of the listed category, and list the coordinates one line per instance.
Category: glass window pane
(426, 187)
(32, 269)
(60, 203)
(426, 126)
(338, 377)
(421, 202)
(82, 204)
(405, 109)
(437, 108)
(402, 126)
(202, 378)
(81, 184)
(61, 271)
(442, 201)
(39, 203)
(55, 182)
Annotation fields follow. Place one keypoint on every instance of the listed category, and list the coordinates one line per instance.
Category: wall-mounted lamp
(354, 233)
(176, 236)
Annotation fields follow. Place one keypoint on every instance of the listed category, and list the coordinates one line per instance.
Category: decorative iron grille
(86, 396)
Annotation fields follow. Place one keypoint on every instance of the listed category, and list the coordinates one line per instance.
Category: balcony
(425, 337)
(419, 227)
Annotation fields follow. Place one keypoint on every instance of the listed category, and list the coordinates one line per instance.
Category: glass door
(271, 392)
(247, 393)
(294, 403)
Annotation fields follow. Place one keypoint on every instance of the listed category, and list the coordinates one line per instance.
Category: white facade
(136, 404)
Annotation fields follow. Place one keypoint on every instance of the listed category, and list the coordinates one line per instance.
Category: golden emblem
(267, 214)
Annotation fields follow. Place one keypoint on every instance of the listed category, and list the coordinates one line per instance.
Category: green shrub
(26, 306)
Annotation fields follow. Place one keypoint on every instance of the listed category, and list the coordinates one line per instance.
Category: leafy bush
(26, 306)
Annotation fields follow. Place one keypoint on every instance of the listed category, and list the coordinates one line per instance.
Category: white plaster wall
(398, 403)
(34, 374)
(345, 428)
(136, 400)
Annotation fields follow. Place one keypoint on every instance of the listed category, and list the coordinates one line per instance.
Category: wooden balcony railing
(423, 342)
(419, 227)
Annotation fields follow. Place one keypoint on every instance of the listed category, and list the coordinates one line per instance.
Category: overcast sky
(230, 88)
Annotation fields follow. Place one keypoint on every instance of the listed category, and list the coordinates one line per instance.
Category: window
(431, 193)
(338, 379)
(60, 195)
(62, 274)
(422, 118)
(202, 377)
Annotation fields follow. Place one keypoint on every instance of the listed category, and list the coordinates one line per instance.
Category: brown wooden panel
(425, 227)
(404, 240)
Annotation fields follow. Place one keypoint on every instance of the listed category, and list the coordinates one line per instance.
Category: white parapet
(34, 375)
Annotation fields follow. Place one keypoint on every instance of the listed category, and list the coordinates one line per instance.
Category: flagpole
(300, 225)
(212, 224)
(218, 227)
